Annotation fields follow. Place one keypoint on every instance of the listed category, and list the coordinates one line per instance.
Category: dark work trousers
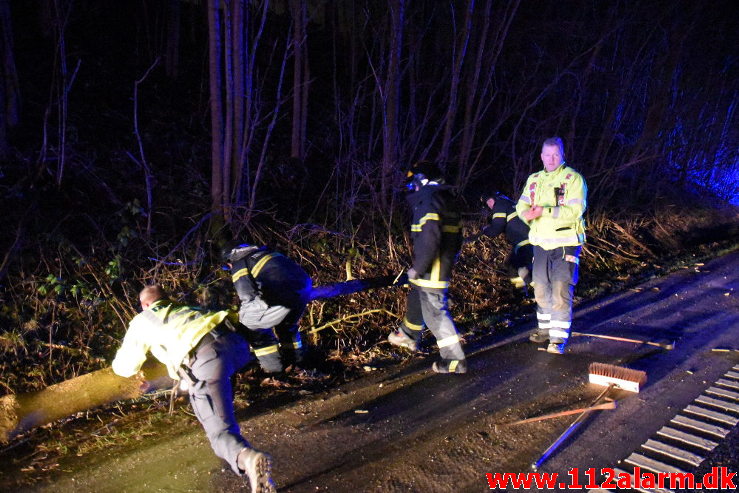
(288, 333)
(278, 347)
(520, 259)
(554, 278)
(220, 354)
(430, 308)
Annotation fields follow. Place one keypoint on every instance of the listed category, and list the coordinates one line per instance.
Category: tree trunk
(391, 99)
(460, 50)
(300, 78)
(172, 54)
(22, 412)
(9, 87)
(217, 193)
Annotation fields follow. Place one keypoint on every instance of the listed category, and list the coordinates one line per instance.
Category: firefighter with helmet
(437, 238)
(274, 291)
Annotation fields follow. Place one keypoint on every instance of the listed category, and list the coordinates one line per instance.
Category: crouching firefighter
(274, 291)
(202, 348)
(504, 220)
(437, 238)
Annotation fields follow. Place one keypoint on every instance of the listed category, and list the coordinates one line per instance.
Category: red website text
(718, 479)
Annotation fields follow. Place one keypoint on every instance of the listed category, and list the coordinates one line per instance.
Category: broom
(664, 345)
(618, 376)
(600, 374)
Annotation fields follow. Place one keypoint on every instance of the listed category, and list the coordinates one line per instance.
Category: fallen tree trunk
(22, 412)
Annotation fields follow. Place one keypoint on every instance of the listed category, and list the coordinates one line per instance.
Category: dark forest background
(137, 135)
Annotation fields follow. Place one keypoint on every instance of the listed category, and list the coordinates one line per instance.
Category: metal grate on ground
(686, 440)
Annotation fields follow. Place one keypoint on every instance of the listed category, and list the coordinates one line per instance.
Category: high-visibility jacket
(169, 330)
(436, 232)
(504, 218)
(563, 195)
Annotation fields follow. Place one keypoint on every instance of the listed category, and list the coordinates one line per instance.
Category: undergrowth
(64, 312)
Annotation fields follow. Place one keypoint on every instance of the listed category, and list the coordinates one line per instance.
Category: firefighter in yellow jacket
(437, 238)
(552, 204)
(202, 348)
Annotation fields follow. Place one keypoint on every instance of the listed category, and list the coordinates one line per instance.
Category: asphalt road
(407, 429)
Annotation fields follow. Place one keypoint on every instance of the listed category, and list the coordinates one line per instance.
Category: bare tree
(298, 10)
(10, 98)
(390, 93)
(242, 120)
(458, 57)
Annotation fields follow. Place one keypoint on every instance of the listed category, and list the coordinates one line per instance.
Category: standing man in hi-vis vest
(552, 204)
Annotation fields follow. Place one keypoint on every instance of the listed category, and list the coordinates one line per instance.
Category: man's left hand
(412, 274)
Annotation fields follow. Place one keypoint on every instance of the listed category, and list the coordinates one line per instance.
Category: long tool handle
(663, 345)
(599, 407)
(575, 424)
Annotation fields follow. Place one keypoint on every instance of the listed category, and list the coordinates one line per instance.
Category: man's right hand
(533, 213)
(144, 385)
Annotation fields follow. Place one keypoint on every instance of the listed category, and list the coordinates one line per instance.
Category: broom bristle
(623, 378)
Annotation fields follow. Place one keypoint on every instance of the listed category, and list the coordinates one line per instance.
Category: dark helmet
(423, 170)
(235, 250)
(490, 194)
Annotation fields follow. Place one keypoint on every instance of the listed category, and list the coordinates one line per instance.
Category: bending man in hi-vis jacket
(552, 204)
(202, 348)
(437, 238)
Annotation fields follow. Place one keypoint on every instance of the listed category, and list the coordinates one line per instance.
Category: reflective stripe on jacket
(436, 232)
(563, 195)
(169, 330)
(270, 275)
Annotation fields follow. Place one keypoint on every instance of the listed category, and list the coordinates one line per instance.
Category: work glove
(412, 274)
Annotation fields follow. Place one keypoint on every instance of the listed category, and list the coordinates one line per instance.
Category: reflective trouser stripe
(263, 351)
(453, 365)
(559, 333)
(517, 281)
(448, 341)
(544, 319)
(412, 326)
(425, 283)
